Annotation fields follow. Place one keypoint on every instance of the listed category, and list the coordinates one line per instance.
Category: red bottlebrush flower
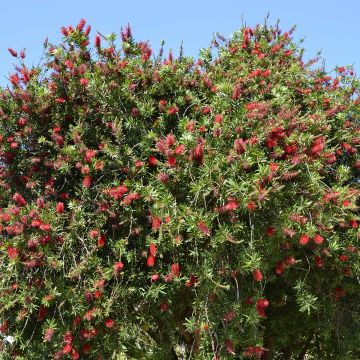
(289, 232)
(67, 349)
(231, 205)
(152, 249)
(109, 323)
(270, 231)
(353, 223)
(257, 275)
(12, 52)
(155, 277)
(192, 281)
(60, 207)
(87, 181)
(45, 227)
(179, 149)
(290, 260)
(175, 270)
(12, 253)
(251, 206)
(4, 327)
(261, 305)
(300, 219)
(20, 201)
(118, 266)
(266, 73)
(74, 355)
(126, 34)
(171, 161)
(94, 233)
(341, 69)
(97, 294)
(117, 192)
(101, 241)
(173, 110)
(343, 257)
(97, 41)
(22, 122)
(84, 82)
(60, 100)
(218, 119)
(69, 64)
(236, 92)
(64, 31)
(162, 104)
(203, 228)
(346, 203)
(87, 30)
(128, 199)
(81, 24)
(138, 163)
(318, 239)
(152, 161)
(319, 261)
(36, 223)
(89, 155)
(150, 260)
(229, 315)
(156, 223)
(164, 306)
(49, 333)
(279, 268)
(256, 351)
(229, 346)
(206, 110)
(304, 239)
(68, 338)
(275, 48)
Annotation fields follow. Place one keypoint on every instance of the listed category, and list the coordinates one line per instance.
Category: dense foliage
(170, 208)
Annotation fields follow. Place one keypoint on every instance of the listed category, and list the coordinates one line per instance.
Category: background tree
(167, 208)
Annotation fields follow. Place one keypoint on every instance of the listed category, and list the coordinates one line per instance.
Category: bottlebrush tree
(167, 208)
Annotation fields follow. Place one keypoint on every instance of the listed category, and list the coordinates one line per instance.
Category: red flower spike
(150, 260)
(153, 249)
(20, 201)
(156, 223)
(109, 323)
(67, 349)
(304, 239)
(12, 52)
(175, 270)
(101, 241)
(203, 228)
(118, 266)
(60, 207)
(270, 231)
(229, 346)
(87, 181)
(152, 161)
(251, 206)
(97, 41)
(257, 275)
(155, 277)
(318, 239)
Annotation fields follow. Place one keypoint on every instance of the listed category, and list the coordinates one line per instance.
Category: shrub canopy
(163, 207)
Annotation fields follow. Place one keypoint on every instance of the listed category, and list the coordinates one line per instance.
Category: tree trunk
(269, 345)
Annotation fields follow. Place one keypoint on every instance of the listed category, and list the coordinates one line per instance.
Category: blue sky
(327, 25)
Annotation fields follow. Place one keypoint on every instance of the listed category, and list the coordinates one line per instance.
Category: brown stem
(269, 346)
